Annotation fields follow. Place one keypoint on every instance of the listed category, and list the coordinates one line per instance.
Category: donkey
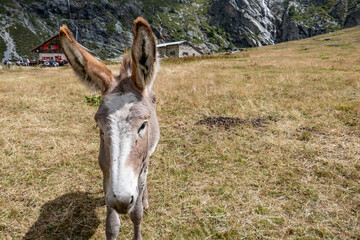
(129, 129)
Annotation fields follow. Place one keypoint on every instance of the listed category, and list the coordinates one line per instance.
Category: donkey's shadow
(70, 216)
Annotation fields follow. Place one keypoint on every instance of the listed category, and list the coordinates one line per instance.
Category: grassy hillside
(284, 165)
(105, 27)
(175, 21)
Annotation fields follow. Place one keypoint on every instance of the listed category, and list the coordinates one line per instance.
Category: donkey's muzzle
(121, 203)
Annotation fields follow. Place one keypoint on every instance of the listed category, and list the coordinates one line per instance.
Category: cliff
(105, 26)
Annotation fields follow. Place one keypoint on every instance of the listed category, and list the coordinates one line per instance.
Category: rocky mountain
(105, 26)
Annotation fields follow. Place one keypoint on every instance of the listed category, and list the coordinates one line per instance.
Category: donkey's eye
(142, 128)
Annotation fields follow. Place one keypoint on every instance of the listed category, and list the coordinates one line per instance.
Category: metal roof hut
(178, 49)
(51, 49)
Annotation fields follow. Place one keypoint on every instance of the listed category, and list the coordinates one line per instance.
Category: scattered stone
(230, 122)
(260, 122)
(311, 130)
(305, 129)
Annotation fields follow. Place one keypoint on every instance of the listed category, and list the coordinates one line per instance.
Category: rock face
(105, 26)
(260, 22)
(353, 19)
(250, 23)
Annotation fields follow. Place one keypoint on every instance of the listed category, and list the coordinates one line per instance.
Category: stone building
(178, 49)
(51, 49)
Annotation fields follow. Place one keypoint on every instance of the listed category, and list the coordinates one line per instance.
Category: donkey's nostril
(121, 202)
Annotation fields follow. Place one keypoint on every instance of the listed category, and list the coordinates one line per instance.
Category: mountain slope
(105, 26)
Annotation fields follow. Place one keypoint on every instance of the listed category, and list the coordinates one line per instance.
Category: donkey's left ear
(91, 72)
(143, 55)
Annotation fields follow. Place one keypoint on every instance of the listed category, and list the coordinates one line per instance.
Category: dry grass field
(285, 164)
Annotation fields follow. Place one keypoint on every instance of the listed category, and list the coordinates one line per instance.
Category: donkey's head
(126, 117)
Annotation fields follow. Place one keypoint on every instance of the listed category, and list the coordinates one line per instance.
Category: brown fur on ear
(140, 22)
(143, 55)
(91, 72)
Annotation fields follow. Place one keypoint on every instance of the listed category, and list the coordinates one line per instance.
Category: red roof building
(51, 49)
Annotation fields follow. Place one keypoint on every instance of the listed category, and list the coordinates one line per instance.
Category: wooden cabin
(51, 49)
(178, 49)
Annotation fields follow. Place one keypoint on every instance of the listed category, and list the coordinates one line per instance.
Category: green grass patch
(24, 39)
(93, 101)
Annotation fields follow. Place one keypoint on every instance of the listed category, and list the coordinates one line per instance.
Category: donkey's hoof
(145, 203)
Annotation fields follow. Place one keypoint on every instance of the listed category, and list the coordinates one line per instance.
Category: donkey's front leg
(136, 216)
(112, 217)
(145, 199)
(112, 223)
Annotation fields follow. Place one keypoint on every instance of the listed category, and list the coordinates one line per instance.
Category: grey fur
(140, 130)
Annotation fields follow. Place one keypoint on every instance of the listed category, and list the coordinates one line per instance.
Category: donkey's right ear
(143, 55)
(91, 72)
